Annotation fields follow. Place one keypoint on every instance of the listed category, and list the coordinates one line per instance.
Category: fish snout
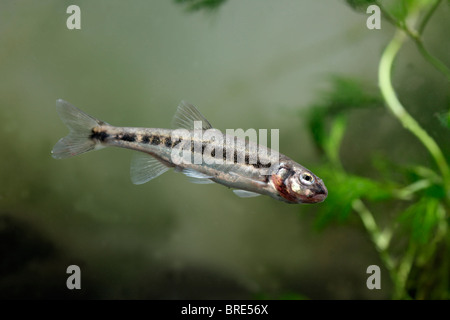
(320, 194)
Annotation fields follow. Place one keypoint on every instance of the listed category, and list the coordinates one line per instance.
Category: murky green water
(246, 65)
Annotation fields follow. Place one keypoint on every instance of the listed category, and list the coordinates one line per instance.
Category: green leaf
(344, 95)
(292, 296)
(422, 218)
(419, 175)
(343, 189)
(349, 94)
(195, 5)
(444, 119)
(401, 10)
(360, 4)
(333, 142)
(283, 296)
(421, 172)
(317, 126)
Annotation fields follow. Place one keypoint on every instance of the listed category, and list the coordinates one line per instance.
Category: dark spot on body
(99, 135)
(262, 165)
(247, 158)
(213, 153)
(235, 156)
(168, 142)
(267, 165)
(155, 140)
(130, 137)
(146, 139)
(224, 154)
(203, 147)
(176, 142)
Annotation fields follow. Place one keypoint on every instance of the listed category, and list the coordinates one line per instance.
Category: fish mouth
(320, 194)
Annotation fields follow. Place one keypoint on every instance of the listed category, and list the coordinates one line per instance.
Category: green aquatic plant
(421, 222)
(419, 268)
(412, 241)
(195, 5)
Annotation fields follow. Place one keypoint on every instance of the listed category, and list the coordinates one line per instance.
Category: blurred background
(247, 64)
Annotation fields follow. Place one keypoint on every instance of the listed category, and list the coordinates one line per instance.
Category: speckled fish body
(245, 166)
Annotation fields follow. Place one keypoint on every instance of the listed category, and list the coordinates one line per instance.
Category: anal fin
(145, 167)
(245, 193)
(197, 177)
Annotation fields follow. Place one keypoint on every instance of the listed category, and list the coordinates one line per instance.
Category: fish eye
(306, 179)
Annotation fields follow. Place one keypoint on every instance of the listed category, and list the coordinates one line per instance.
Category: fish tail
(80, 138)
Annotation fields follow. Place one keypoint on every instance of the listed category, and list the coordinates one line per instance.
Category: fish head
(296, 184)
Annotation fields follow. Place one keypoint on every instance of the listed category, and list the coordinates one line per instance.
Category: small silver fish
(249, 168)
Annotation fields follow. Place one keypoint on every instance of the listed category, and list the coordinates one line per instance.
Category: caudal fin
(80, 127)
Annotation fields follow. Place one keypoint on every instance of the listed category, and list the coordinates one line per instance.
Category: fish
(204, 154)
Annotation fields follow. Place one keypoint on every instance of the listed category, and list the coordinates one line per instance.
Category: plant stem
(417, 36)
(407, 192)
(403, 271)
(381, 242)
(392, 102)
(428, 16)
(435, 62)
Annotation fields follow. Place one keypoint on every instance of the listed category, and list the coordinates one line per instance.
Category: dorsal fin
(186, 115)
